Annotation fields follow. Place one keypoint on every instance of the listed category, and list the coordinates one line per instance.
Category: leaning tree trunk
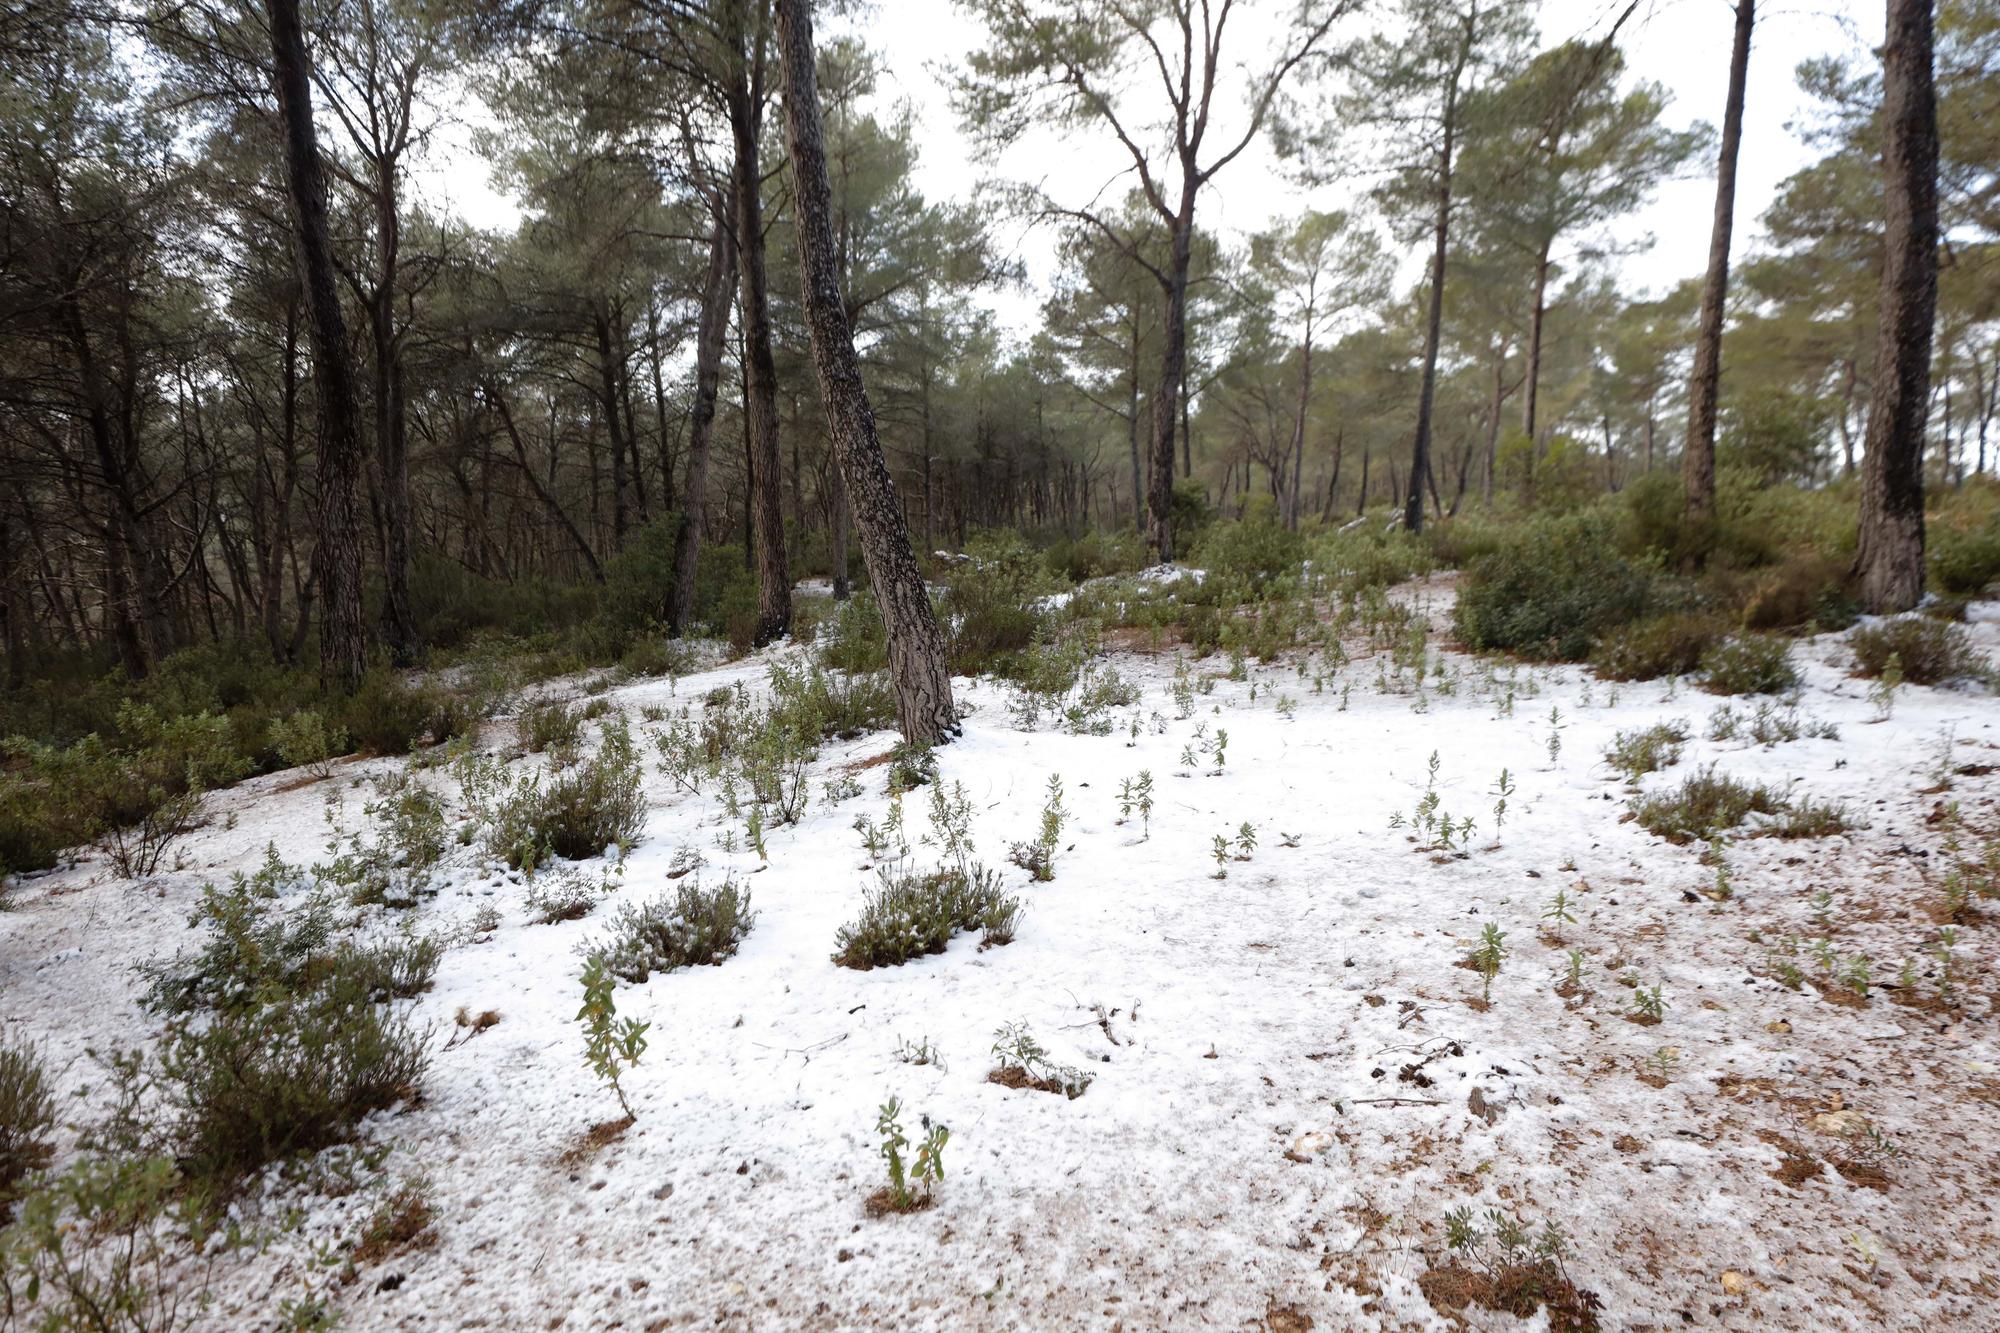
(917, 659)
(766, 501)
(1698, 457)
(343, 641)
(1420, 449)
(710, 335)
(1890, 561)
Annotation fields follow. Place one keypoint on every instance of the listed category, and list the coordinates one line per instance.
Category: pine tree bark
(1420, 448)
(917, 658)
(767, 512)
(1890, 561)
(343, 636)
(711, 333)
(1698, 456)
(1173, 369)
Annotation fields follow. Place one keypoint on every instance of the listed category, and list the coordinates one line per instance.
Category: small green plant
(1025, 1063)
(1137, 794)
(1219, 849)
(1573, 975)
(910, 1186)
(608, 1042)
(1503, 787)
(1704, 804)
(1486, 957)
(1558, 913)
(1038, 858)
(307, 740)
(1246, 840)
(1647, 1004)
(1749, 664)
(911, 915)
(697, 927)
(1500, 1264)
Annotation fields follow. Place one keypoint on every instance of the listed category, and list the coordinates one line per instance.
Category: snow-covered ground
(1293, 1081)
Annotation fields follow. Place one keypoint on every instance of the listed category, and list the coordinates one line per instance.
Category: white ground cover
(1251, 1149)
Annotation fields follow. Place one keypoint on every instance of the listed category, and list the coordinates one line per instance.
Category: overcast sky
(1681, 44)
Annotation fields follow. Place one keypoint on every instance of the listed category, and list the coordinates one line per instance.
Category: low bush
(297, 1072)
(1550, 591)
(909, 915)
(552, 724)
(1256, 549)
(307, 740)
(1927, 651)
(1636, 753)
(27, 1118)
(1809, 591)
(102, 1246)
(1668, 645)
(579, 814)
(698, 927)
(388, 715)
(1749, 664)
(1964, 560)
(1706, 803)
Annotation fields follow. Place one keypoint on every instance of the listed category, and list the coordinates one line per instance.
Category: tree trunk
(1890, 561)
(1535, 321)
(767, 512)
(391, 427)
(1420, 449)
(1299, 426)
(1173, 364)
(711, 333)
(343, 637)
(1698, 458)
(917, 658)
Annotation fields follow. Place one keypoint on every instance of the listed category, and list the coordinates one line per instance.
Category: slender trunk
(1299, 426)
(391, 427)
(766, 499)
(498, 401)
(1698, 457)
(343, 637)
(1890, 560)
(1420, 449)
(1534, 375)
(917, 655)
(711, 333)
(1167, 392)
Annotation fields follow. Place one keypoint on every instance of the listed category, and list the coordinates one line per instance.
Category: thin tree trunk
(1890, 560)
(767, 513)
(1698, 457)
(343, 636)
(1173, 365)
(711, 333)
(1420, 449)
(1535, 322)
(917, 657)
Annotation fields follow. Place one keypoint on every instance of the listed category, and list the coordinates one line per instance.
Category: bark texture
(343, 639)
(917, 658)
(1698, 456)
(1890, 561)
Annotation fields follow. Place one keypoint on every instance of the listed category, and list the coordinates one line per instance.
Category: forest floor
(1294, 1079)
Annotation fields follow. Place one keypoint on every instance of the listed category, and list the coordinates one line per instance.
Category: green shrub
(1705, 804)
(262, 950)
(1667, 645)
(853, 639)
(1749, 664)
(579, 814)
(1808, 592)
(1964, 561)
(1929, 651)
(1255, 549)
(1095, 555)
(98, 1247)
(1550, 591)
(700, 927)
(306, 740)
(390, 716)
(811, 703)
(1648, 750)
(243, 1088)
(991, 606)
(910, 915)
(27, 1118)
(551, 724)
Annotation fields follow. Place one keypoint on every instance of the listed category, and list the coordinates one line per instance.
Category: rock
(1734, 1283)
(1842, 1123)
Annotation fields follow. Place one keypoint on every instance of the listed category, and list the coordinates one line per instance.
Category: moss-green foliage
(1667, 645)
(908, 915)
(1749, 664)
(1096, 554)
(1927, 651)
(990, 607)
(1706, 803)
(1964, 560)
(1551, 590)
(852, 637)
(579, 813)
(697, 927)
(391, 714)
(1253, 551)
